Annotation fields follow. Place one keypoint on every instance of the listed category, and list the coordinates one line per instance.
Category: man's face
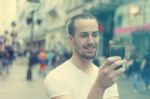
(86, 38)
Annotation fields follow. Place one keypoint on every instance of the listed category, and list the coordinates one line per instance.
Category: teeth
(90, 48)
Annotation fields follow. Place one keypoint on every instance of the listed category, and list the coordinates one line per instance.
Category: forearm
(107, 76)
(96, 92)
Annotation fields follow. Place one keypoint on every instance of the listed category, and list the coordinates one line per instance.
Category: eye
(95, 34)
(84, 34)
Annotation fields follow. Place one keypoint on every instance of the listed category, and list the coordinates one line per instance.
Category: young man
(79, 78)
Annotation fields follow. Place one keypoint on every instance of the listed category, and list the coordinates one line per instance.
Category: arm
(107, 76)
(96, 92)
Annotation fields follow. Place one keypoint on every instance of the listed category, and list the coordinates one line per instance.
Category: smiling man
(78, 77)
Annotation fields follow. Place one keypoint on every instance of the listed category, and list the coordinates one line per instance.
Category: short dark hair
(71, 22)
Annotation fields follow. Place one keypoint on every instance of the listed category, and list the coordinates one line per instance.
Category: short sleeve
(111, 92)
(56, 86)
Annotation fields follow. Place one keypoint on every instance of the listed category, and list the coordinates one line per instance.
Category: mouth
(90, 49)
(90, 46)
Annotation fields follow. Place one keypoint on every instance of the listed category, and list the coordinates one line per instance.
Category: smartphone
(117, 50)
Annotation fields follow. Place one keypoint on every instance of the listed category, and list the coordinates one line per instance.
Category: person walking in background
(10, 51)
(146, 69)
(135, 71)
(57, 59)
(33, 60)
(50, 55)
(43, 61)
(4, 63)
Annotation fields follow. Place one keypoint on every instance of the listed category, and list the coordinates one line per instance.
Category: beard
(88, 56)
(84, 53)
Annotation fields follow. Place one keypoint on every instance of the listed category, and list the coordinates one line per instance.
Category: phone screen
(117, 51)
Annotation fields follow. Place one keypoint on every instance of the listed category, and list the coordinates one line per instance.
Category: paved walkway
(126, 91)
(15, 86)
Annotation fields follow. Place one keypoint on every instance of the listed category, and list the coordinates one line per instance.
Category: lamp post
(13, 34)
(30, 22)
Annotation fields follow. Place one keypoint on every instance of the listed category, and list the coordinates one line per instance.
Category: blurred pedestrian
(31, 62)
(50, 55)
(57, 59)
(146, 69)
(43, 61)
(135, 71)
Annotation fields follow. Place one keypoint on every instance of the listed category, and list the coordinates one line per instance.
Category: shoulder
(55, 82)
(57, 72)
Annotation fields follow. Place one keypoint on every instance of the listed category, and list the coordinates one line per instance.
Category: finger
(110, 60)
(116, 74)
(117, 64)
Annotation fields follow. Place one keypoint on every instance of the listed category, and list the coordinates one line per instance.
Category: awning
(131, 29)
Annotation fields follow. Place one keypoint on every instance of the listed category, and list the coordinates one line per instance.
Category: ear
(70, 39)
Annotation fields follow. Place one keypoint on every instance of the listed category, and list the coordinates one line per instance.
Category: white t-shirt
(68, 79)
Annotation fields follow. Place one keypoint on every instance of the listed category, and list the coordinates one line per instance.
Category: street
(15, 86)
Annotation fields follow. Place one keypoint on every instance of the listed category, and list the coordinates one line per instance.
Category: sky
(7, 14)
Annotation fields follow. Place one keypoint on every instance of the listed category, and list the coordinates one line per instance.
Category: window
(119, 21)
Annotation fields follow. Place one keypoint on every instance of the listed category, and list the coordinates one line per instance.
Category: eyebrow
(88, 32)
(95, 32)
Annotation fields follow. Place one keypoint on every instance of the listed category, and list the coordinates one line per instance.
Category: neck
(83, 64)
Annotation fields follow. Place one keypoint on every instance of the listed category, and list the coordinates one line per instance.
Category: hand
(108, 75)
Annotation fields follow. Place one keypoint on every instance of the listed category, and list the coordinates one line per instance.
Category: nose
(90, 39)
